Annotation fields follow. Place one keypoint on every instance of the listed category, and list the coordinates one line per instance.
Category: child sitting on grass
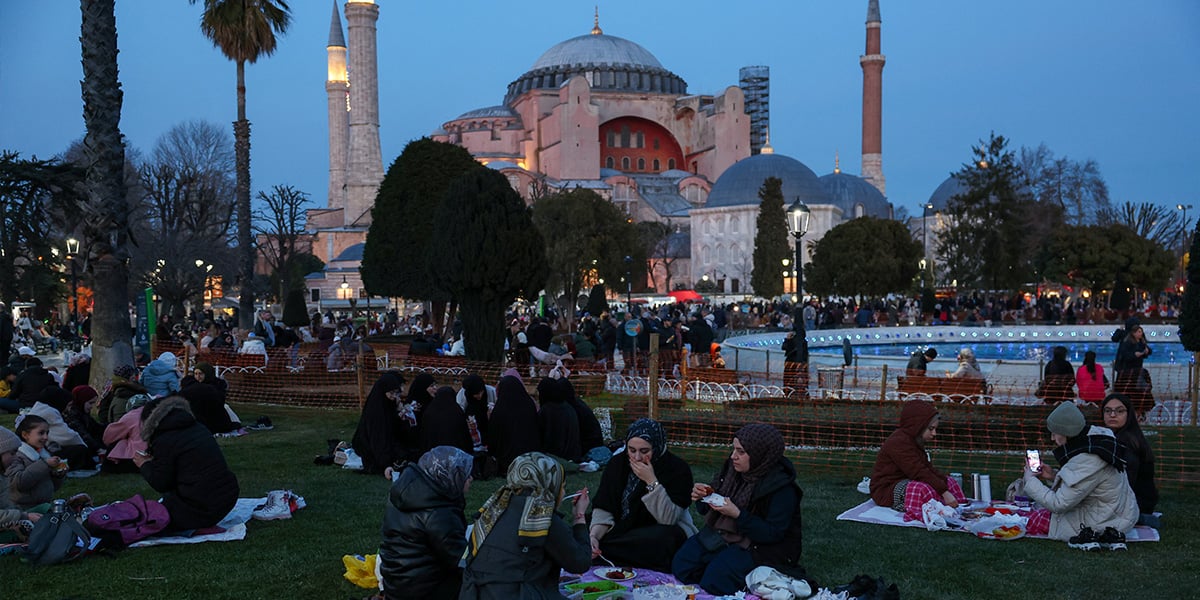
(15, 523)
(34, 474)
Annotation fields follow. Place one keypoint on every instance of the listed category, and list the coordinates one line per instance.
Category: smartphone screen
(1034, 459)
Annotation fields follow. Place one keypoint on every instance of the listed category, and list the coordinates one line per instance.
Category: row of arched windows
(627, 164)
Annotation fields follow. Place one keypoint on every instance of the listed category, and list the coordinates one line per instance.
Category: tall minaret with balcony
(872, 105)
(365, 161)
(337, 88)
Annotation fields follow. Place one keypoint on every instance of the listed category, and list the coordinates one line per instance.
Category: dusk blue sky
(1114, 81)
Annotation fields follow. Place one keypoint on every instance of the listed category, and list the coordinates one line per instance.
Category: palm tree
(244, 30)
(105, 211)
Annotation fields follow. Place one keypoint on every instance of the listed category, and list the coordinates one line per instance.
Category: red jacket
(901, 457)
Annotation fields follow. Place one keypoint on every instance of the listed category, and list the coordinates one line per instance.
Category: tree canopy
(1189, 318)
(32, 193)
(1103, 258)
(492, 254)
(770, 241)
(401, 237)
(863, 257)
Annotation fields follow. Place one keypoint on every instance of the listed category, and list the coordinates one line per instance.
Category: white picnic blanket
(234, 525)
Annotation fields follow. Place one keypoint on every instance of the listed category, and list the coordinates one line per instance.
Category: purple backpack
(125, 522)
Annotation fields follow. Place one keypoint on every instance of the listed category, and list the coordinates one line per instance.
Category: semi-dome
(949, 188)
(607, 62)
(739, 184)
(487, 113)
(850, 191)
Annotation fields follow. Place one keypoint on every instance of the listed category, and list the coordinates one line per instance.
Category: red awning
(686, 296)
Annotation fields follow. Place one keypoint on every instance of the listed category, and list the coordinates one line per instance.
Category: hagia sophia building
(601, 112)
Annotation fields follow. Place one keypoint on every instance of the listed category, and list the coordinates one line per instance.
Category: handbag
(710, 539)
(57, 538)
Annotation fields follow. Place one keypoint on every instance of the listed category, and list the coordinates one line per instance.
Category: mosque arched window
(624, 136)
(609, 162)
(721, 255)
(654, 142)
(706, 255)
(657, 165)
(859, 210)
(641, 140)
(735, 254)
(707, 227)
(641, 163)
(734, 223)
(625, 163)
(670, 163)
(612, 139)
(720, 226)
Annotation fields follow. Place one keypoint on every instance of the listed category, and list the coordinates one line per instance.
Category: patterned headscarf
(448, 468)
(532, 473)
(126, 372)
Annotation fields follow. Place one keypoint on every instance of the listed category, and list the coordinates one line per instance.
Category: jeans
(720, 573)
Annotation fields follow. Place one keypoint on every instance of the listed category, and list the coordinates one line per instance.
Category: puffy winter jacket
(187, 466)
(424, 536)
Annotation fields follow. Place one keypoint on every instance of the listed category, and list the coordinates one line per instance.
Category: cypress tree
(771, 241)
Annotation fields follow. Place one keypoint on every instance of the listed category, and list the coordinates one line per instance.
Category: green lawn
(301, 557)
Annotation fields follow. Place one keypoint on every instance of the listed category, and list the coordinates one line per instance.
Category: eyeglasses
(1114, 411)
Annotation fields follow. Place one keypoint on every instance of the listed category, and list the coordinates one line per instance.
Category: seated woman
(78, 417)
(424, 530)
(1058, 380)
(1139, 458)
(185, 464)
(558, 422)
(513, 425)
(968, 367)
(1090, 379)
(1089, 503)
(758, 522)
(519, 544)
(477, 399)
(124, 438)
(641, 515)
(386, 432)
(903, 477)
(443, 423)
(591, 436)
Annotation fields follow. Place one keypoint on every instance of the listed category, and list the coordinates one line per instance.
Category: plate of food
(615, 573)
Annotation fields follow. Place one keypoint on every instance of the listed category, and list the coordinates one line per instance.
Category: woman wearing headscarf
(424, 529)
(160, 377)
(518, 544)
(513, 425)
(968, 367)
(384, 437)
(754, 520)
(903, 477)
(641, 515)
(208, 405)
(477, 399)
(443, 423)
(124, 437)
(591, 438)
(1089, 502)
(421, 392)
(78, 416)
(1058, 380)
(558, 422)
(1139, 458)
(78, 371)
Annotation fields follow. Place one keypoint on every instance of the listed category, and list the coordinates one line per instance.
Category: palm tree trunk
(105, 184)
(241, 148)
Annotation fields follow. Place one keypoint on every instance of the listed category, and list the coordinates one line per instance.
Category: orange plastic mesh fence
(833, 418)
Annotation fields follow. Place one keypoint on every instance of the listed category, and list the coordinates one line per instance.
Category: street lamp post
(72, 252)
(798, 216)
(925, 208)
(1183, 240)
(628, 284)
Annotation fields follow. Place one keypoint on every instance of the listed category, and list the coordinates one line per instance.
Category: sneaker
(295, 501)
(864, 486)
(1112, 539)
(78, 502)
(1086, 540)
(275, 508)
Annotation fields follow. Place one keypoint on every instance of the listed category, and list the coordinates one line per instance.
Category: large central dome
(609, 63)
(596, 49)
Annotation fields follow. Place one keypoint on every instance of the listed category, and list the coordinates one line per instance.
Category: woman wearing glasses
(1139, 458)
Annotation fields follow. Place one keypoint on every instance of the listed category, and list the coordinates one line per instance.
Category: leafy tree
(1077, 189)
(597, 300)
(401, 238)
(244, 30)
(863, 257)
(281, 234)
(771, 240)
(991, 222)
(496, 255)
(32, 193)
(1105, 257)
(1161, 224)
(705, 286)
(583, 232)
(105, 212)
(1189, 318)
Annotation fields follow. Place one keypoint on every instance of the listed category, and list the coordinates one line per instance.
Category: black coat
(443, 423)
(30, 383)
(424, 536)
(513, 426)
(208, 406)
(560, 430)
(187, 467)
(382, 437)
(590, 434)
(775, 508)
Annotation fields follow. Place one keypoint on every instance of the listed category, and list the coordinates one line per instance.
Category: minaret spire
(365, 163)
(337, 91)
(596, 23)
(767, 149)
(872, 117)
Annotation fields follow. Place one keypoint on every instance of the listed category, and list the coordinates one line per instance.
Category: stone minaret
(365, 162)
(872, 105)
(337, 88)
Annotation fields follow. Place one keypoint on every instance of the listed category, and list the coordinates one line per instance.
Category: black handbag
(56, 538)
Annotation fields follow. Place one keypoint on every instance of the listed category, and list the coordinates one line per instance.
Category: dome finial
(836, 166)
(596, 22)
(767, 149)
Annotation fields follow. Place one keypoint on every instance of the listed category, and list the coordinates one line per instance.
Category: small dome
(849, 191)
(739, 184)
(940, 198)
(487, 113)
(596, 49)
(351, 253)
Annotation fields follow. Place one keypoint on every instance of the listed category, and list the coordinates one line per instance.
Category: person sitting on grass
(15, 523)
(124, 438)
(1089, 502)
(558, 422)
(513, 425)
(114, 402)
(64, 442)
(160, 377)
(34, 474)
(424, 528)
(753, 518)
(904, 477)
(443, 423)
(1139, 458)
(641, 515)
(519, 544)
(386, 432)
(184, 463)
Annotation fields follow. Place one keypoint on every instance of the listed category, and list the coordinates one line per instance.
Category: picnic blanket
(869, 512)
(648, 578)
(231, 528)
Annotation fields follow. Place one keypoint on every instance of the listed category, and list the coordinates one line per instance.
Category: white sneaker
(864, 486)
(275, 508)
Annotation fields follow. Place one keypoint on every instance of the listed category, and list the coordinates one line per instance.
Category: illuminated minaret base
(872, 105)
(337, 88)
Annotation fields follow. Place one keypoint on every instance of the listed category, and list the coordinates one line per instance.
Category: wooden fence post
(652, 377)
(883, 384)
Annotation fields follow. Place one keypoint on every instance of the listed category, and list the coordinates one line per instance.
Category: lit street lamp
(798, 217)
(72, 252)
(628, 284)
(1184, 242)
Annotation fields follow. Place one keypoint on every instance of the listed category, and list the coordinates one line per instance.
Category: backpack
(56, 538)
(125, 522)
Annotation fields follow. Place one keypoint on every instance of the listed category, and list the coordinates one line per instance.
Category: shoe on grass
(275, 508)
(1111, 539)
(1085, 540)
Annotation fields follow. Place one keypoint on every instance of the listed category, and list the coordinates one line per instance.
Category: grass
(301, 557)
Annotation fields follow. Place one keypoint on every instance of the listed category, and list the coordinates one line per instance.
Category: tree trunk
(241, 149)
(105, 184)
(483, 330)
